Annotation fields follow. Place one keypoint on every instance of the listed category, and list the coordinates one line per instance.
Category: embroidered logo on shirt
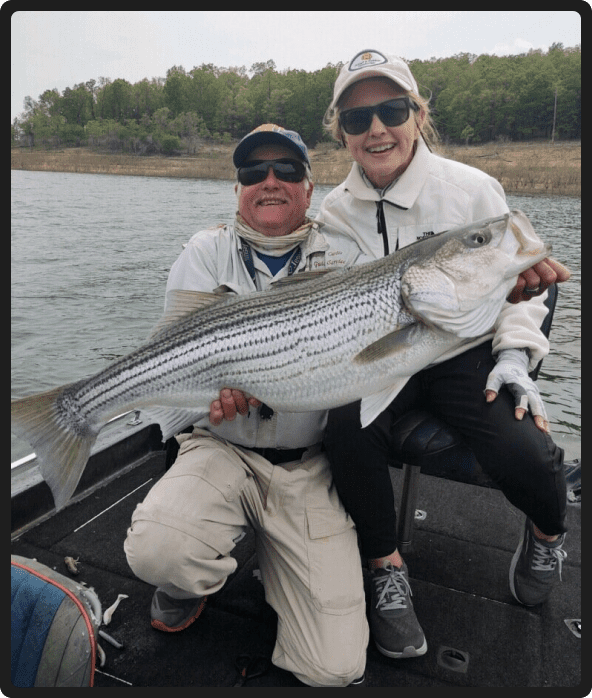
(322, 260)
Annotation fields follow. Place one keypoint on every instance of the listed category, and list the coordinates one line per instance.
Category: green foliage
(169, 144)
(472, 98)
(467, 133)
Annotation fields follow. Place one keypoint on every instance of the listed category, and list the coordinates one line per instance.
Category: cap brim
(371, 73)
(244, 148)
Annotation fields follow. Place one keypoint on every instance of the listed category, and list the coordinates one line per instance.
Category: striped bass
(307, 344)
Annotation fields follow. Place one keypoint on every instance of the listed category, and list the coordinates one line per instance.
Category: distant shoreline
(522, 168)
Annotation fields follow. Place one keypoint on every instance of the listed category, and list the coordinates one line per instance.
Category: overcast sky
(58, 49)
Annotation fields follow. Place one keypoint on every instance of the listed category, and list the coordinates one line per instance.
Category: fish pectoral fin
(181, 304)
(389, 345)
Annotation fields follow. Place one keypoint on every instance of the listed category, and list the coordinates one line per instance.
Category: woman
(397, 192)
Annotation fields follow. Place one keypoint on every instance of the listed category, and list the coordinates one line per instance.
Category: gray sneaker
(393, 623)
(536, 567)
(171, 615)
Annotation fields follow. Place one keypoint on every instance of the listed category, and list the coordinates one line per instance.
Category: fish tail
(62, 452)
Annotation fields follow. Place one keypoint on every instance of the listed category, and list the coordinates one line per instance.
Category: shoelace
(392, 589)
(544, 559)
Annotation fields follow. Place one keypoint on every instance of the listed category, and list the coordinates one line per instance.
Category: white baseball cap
(373, 64)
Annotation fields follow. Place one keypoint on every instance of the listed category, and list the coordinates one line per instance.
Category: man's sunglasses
(255, 171)
(392, 113)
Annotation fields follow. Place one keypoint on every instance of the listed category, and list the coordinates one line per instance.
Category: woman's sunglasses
(286, 170)
(392, 113)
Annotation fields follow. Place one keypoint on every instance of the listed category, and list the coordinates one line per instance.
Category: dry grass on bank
(522, 168)
(527, 168)
(217, 164)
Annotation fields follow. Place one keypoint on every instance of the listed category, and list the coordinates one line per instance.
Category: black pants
(523, 461)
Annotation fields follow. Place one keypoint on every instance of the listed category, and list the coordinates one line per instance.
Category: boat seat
(422, 443)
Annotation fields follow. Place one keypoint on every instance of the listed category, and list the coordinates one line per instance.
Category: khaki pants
(182, 535)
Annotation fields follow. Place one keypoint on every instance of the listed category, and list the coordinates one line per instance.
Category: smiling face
(274, 207)
(383, 152)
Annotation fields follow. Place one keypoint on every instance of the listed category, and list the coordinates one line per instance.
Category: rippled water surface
(90, 255)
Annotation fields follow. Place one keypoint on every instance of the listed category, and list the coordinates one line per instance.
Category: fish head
(460, 282)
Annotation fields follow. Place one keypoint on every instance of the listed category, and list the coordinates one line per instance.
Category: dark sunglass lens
(252, 174)
(285, 170)
(393, 113)
(289, 170)
(356, 121)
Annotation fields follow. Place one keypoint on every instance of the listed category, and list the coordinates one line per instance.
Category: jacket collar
(404, 192)
(316, 241)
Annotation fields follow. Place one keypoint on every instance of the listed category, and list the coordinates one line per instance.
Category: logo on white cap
(366, 59)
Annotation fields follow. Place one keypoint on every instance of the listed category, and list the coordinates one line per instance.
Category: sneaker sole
(408, 652)
(159, 625)
(513, 565)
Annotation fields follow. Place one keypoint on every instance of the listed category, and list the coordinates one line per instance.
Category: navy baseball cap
(269, 134)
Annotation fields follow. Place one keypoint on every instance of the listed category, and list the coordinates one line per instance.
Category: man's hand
(511, 370)
(537, 280)
(230, 403)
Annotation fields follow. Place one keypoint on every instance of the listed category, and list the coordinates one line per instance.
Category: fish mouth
(535, 256)
(530, 247)
(527, 258)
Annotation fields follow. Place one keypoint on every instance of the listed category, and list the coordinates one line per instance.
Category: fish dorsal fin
(181, 304)
(304, 276)
(389, 345)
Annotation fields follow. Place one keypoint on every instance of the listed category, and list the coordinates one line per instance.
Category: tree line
(473, 99)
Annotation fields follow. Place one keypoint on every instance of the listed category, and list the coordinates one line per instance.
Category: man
(266, 471)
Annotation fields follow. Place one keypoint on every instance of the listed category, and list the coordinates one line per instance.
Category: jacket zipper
(381, 226)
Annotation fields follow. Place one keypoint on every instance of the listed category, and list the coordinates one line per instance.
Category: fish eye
(478, 239)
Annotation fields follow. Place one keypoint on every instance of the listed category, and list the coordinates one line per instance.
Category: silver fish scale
(266, 344)
(255, 350)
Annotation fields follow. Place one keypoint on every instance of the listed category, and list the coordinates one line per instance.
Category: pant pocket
(335, 569)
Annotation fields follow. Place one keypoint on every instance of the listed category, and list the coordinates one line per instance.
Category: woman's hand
(511, 370)
(537, 280)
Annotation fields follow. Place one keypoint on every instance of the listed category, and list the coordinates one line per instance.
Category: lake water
(90, 256)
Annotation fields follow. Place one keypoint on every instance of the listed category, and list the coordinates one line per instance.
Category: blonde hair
(428, 129)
